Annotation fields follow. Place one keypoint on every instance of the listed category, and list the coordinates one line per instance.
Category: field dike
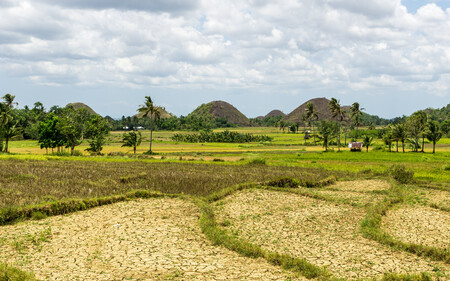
(323, 233)
(153, 239)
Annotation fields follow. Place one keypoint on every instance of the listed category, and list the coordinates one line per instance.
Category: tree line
(413, 129)
(54, 129)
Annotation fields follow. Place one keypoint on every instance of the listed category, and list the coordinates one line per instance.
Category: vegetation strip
(8, 273)
(12, 215)
(371, 228)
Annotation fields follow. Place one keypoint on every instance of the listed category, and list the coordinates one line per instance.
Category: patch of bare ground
(360, 192)
(419, 225)
(326, 234)
(154, 239)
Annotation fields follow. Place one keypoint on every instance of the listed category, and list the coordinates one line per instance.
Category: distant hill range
(77, 105)
(220, 109)
(162, 111)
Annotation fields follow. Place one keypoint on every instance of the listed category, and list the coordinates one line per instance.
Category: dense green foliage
(225, 136)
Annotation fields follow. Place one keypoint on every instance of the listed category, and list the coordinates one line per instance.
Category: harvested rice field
(419, 225)
(153, 239)
(324, 233)
(360, 193)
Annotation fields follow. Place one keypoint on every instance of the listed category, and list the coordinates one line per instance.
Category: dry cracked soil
(325, 233)
(154, 239)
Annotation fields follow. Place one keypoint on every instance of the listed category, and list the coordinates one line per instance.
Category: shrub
(116, 153)
(38, 215)
(257, 161)
(401, 175)
(77, 153)
(218, 160)
(284, 182)
(446, 168)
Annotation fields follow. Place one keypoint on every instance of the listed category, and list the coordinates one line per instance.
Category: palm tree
(416, 124)
(6, 118)
(311, 115)
(132, 139)
(151, 111)
(433, 133)
(355, 114)
(367, 141)
(337, 111)
(399, 132)
(10, 132)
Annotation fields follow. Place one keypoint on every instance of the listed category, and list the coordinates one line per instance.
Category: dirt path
(155, 239)
(419, 225)
(326, 234)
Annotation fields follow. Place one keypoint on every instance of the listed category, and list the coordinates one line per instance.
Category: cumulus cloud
(289, 45)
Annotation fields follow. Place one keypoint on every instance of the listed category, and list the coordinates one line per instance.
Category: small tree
(327, 130)
(71, 129)
(337, 112)
(96, 131)
(367, 141)
(132, 139)
(400, 134)
(433, 133)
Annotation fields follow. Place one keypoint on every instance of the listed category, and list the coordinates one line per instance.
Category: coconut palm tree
(150, 110)
(355, 114)
(311, 116)
(367, 141)
(337, 112)
(399, 132)
(132, 139)
(433, 133)
(6, 119)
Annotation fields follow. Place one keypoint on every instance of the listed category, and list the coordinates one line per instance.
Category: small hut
(355, 146)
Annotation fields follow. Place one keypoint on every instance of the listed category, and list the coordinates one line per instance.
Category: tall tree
(150, 110)
(433, 133)
(71, 128)
(7, 127)
(355, 114)
(311, 116)
(339, 113)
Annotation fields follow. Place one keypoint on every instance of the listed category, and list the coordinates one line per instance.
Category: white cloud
(290, 45)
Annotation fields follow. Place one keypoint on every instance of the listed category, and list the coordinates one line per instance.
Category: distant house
(355, 146)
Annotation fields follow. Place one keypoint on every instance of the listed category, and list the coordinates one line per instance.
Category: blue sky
(391, 56)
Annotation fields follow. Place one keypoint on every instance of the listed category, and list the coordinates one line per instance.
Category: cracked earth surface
(154, 239)
(325, 233)
(419, 225)
(355, 192)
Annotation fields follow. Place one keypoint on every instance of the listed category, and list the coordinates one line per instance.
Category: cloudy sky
(391, 56)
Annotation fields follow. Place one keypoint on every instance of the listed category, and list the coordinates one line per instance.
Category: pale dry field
(419, 225)
(325, 233)
(154, 239)
(362, 192)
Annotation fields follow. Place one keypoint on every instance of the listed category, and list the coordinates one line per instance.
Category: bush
(401, 175)
(116, 153)
(77, 153)
(257, 161)
(284, 182)
(225, 136)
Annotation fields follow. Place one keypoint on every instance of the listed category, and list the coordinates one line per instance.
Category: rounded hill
(77, 105)
(220, 109)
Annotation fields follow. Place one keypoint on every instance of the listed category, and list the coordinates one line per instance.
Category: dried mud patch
(355, 192)
(419, 225)
(326, 234)
(154, 239)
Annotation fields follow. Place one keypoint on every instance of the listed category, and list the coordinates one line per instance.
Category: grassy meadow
(35, 184)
